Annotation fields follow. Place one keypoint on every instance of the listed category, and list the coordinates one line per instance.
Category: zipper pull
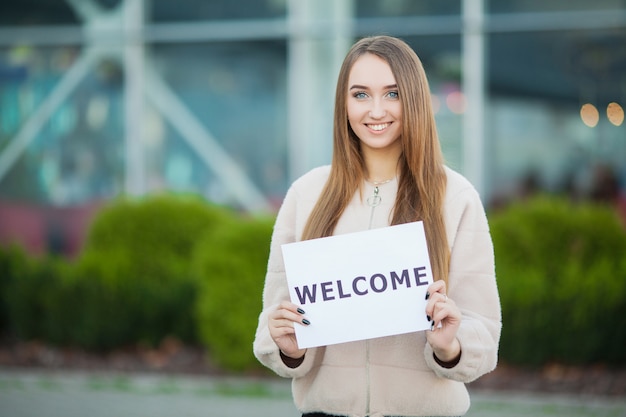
(375, 199)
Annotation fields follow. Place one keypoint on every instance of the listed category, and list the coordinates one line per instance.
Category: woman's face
(373, 104)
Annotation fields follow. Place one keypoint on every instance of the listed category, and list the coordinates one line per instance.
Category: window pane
(76, 154)
(194, 10)
(395, 8)
(538, 82)
(43, 12)
(238, 93)
(499, 6)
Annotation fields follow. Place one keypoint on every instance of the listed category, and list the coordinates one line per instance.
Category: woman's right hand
(281, 327)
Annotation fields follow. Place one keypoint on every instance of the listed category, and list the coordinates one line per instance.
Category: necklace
(377, 183)
(374, 200)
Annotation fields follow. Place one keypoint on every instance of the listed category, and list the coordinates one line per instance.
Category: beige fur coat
(396, 375)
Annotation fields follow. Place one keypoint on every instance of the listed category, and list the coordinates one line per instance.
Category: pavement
(36, 393)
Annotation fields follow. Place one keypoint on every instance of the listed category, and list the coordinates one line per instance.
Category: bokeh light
(615, 114)
(456, 102)
(589, 115)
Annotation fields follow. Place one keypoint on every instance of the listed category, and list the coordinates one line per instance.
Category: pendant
(375, 199)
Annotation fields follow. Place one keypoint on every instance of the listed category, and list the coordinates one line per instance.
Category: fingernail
(301, 311)
(427, 295)
(428, 317)
(432, 325)
(305, 322)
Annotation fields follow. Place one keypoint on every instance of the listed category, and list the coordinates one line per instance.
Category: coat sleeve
(276, 290)
(472, 285)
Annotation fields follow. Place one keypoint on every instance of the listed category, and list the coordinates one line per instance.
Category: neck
(381, 168)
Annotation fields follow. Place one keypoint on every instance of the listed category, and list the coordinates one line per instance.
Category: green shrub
(561, 274)
(154, 225)
(14, 264)
(12, 259)
(230, 263)
(151, 268)
(133, 278)
(31, 291)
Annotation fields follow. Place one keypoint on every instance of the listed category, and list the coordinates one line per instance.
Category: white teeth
(379, 127)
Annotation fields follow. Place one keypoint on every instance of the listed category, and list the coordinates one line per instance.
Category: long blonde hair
(422, 178)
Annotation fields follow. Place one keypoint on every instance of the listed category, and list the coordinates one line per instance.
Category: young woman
(387, 169)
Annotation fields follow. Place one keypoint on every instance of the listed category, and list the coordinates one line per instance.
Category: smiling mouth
(378, 127)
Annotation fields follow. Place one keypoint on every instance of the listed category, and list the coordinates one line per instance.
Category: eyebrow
(363, 87)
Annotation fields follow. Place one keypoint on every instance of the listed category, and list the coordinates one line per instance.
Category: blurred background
(221, 104)
(234, 100)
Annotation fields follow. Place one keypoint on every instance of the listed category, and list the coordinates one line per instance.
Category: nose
(378, 110)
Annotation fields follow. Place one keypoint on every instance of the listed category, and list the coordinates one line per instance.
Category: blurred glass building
(234, 99)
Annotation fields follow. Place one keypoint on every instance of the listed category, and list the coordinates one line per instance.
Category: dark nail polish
(427, 295)
(301, 311)
(432, 325)
(428, 317)
(305, 322)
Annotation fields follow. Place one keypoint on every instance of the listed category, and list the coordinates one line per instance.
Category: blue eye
(393, 94)
(360, 95)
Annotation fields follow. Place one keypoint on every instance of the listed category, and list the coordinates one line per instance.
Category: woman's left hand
(445, 319)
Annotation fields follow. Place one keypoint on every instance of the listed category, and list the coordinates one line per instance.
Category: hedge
(131, 284)
(230, 265)
(136, 265)
(179, 266)
(31, 290)
(561, 271)
(13, 260)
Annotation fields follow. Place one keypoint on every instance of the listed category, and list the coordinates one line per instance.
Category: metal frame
(312, 27)
(141, 81)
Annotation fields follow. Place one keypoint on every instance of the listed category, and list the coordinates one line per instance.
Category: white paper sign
(360, 285)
